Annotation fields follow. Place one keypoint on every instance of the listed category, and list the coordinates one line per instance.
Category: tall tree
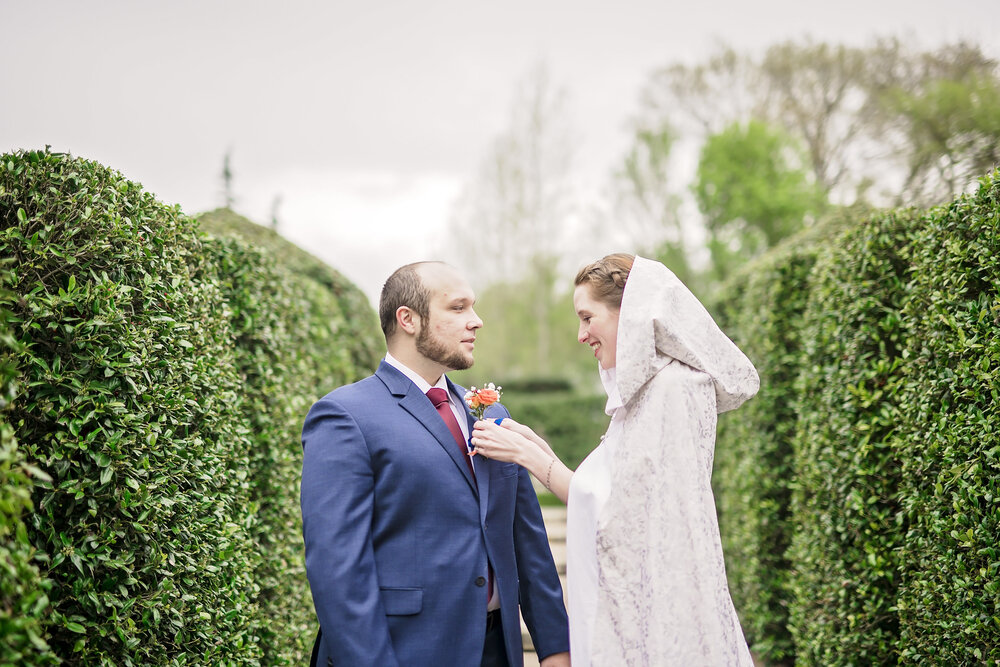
(753, 188)
(953, 132)
(860, 112)
(510, 222)
(646, 201)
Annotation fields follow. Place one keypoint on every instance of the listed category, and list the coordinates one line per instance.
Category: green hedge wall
(762, 309)
(23, 593)
(949, 596)
(872, 448)
(163, 379)
(846, 471)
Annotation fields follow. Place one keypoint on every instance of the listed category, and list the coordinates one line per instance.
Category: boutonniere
(480, 399)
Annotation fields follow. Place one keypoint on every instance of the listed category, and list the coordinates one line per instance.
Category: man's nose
(476, 322)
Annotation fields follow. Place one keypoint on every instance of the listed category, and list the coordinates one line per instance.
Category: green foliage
(884, 357)
(950, 446)
(289, 336)
(130, 403)
(953, 127)
(164, 376)
(847, 471)
(761, 309)
(753, 192)
(23, 593)
(350, 318)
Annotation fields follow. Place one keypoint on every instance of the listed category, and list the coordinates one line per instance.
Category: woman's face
(598, 325)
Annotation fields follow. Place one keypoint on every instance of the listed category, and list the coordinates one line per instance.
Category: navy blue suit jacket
(397, 534)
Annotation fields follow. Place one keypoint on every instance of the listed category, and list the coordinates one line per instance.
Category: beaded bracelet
(548, 475)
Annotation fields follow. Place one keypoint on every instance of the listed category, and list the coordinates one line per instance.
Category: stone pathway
(555, 525)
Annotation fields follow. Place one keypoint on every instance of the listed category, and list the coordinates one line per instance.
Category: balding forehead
(438, 272)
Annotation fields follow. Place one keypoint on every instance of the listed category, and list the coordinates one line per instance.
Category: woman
(646, 579)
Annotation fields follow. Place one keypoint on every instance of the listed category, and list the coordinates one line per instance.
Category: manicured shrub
(949, 597)
(130, 400)
(23, 593)
(761, 309)
(351, 333)
(846, 514)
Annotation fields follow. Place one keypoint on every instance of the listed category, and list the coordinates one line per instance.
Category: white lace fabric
(663, 598)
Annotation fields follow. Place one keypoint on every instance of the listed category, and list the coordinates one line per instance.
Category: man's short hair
(403, 288)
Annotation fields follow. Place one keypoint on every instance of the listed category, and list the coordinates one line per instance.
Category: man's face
(448, 335)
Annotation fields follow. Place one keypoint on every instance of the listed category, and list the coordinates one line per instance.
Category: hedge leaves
(159, 398)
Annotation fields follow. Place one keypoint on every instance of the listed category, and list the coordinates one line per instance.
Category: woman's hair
(606, 278)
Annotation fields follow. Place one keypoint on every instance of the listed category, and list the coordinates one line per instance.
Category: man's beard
(435, 350)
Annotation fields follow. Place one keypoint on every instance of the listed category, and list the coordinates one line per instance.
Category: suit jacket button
(480, 581)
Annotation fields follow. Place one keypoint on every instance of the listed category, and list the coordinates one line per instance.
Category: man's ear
(407, 320)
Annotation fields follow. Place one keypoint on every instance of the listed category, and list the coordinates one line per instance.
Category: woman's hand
(525, 431)
(513, 442)
(504, 443)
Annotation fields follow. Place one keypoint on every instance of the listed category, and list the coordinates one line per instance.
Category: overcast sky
(368, 117)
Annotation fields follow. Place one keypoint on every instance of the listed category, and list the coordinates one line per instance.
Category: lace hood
(661, 320)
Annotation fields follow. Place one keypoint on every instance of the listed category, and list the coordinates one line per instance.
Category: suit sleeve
(337, 500)
(541, 593)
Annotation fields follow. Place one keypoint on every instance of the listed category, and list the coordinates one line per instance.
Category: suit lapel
(419, 406)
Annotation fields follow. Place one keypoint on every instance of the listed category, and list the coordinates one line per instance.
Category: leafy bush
(352, 334)
(847, 472)
(290, 347)
(23, 598)
(949, 593)
(164, 378)
(761, 308)
(128, 401)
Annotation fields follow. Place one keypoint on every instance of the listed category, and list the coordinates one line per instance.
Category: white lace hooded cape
(663, 598)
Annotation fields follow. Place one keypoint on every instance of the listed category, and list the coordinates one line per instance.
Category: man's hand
(555, 660)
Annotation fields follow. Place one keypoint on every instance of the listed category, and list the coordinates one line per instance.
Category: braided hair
(606, 278)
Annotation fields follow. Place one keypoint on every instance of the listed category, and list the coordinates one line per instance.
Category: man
(415, 553)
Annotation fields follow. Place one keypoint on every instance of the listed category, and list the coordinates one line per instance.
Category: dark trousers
(494, 652)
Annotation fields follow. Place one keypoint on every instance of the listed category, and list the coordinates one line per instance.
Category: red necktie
(439, 397)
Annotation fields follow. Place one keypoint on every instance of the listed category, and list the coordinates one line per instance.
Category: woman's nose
(582, 334)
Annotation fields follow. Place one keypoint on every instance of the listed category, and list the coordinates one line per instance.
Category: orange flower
(480, 399)
(487, 396)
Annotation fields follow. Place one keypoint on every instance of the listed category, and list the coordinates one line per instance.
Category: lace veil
(663, 597)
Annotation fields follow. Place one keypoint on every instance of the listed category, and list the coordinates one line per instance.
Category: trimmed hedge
(845, 509)
(949, 594)
(293, 341)
(164, 379)
(23, 593)
(889, 375)
(762, 308)
(351, 319)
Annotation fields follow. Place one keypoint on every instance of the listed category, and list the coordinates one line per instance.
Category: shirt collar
(421, 383)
